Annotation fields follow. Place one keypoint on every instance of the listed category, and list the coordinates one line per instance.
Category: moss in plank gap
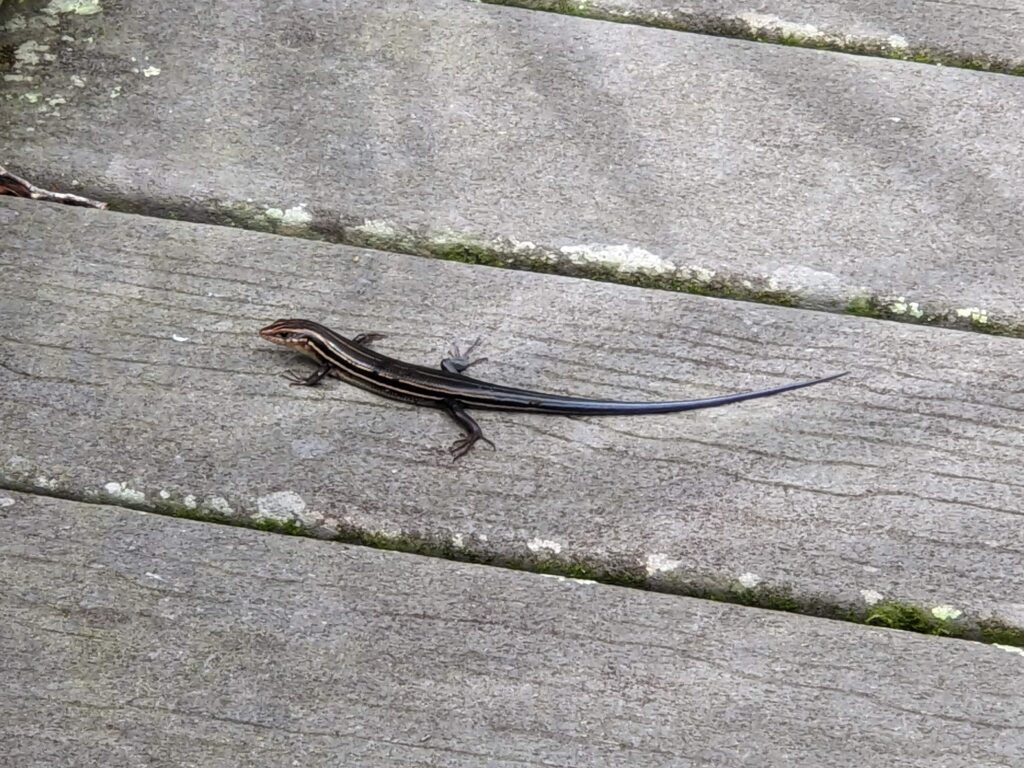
(7, 57)
(999, 633)
(287, 527)
(769, 598)
(963, 319)
(707, 24)
(868, 306)
(996, 328)
(468, 249)
(549, 261)
(422, 545)
(911, 618)
(889, 614)
(507, 254)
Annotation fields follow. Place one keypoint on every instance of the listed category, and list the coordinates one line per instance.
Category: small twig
(19, 187)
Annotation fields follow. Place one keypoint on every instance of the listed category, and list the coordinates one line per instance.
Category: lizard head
(294, 334)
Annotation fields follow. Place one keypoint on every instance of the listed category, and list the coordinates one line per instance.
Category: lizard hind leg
(463, 445)
(459, 361)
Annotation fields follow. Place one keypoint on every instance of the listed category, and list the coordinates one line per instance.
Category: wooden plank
(132, 639)
(131, 372)
(958, 33)
(474, 131)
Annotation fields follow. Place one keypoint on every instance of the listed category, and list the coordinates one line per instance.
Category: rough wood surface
(130, 370)
(954, 32)
(448, 126)
(132, 639)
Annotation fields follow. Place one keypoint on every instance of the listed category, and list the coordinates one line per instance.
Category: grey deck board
(957, 32)
(130, 371)
(133, 639)
(743, 168)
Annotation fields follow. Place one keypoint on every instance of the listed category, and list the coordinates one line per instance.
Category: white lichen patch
(767, 24)
(124, 492)
(81, 7)
(151, 71)
(544, 545)
(296, 217)
(871, 596)
(6, 501)
(285, 506)
(115, 91)
(56, 101)
(749, 580)
(77, 81)
(164, 495)
(976, 314)
(761, 23)
(903, 307)
(657, 562)
(178, 337)
(189, 502)
(376, 228)
(32, 97)
(624, 258)
(1001, 647)
(458, 541)
(946, 612)
(15, 24)
(18, 78)
(522, 246)
(701, 274)
(218, 504)
(29, 53)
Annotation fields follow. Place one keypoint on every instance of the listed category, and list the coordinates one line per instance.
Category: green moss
(247, 216)
(507, 254)
(468, 252)
(991, 631)
(288, 527)
(889, 614)
(709, 24)
(7, 58)
(996, 328)
(770, 598)
(570, 7)
(429, 547)
(910, 618)
(864, 306)
(882, 309)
